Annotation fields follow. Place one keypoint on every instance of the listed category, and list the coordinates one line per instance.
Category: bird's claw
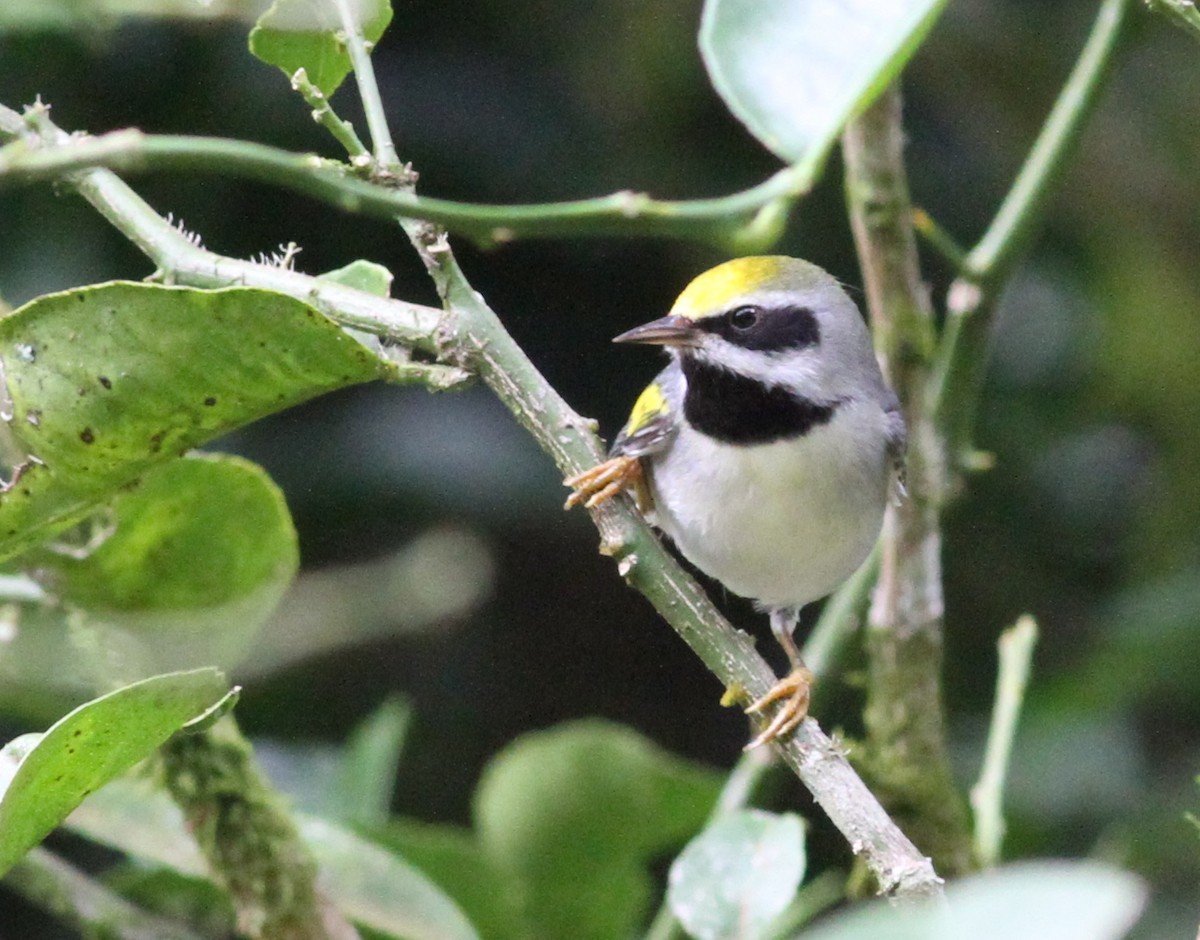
(604, 481)
(795, 691)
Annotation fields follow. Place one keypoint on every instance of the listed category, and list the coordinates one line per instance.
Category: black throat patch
(735, 409)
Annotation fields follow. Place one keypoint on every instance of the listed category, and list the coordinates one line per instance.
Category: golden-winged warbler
(768, 446)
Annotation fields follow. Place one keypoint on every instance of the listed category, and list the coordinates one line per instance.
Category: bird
(767, 449)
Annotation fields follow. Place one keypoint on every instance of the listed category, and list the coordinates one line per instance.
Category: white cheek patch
(795, 369)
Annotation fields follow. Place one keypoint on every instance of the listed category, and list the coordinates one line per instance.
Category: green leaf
(577, 813)
(738, 875)
(379, 890)
(108, 381)
(795, 71)
(367, 777)
(200, 552)
(370, 885)
(191, 534)
(1185, 14)
(307, 34)
(1033, 901)
(362, 275)
(192, 559)
(452, 858)
(96, 742)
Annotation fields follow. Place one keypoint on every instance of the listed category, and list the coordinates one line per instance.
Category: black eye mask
(765, 328)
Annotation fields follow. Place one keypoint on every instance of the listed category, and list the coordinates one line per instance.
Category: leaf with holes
(193, 559)
(93, 744)
(104, 382)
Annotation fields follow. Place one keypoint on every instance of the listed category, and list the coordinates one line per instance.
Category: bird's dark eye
(744, 318)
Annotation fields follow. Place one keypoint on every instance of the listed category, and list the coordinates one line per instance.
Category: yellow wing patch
(718, 287)
(651, 404)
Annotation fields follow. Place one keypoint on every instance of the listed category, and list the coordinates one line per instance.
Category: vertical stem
(248, 837)
(368, 88)
(987, 796)
(906, 750)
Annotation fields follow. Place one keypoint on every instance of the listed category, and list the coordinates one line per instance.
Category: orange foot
(605, 480)
(795, 691)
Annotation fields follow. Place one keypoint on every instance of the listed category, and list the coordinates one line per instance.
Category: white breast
(782, 523)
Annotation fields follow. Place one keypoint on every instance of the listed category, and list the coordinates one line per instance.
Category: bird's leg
(794, 690)
(605, 480)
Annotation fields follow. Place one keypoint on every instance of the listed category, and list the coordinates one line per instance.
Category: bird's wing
(654, 419)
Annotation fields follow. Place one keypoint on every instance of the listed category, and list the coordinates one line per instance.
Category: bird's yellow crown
(718, 287)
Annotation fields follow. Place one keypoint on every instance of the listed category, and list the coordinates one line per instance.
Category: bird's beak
(666, 331)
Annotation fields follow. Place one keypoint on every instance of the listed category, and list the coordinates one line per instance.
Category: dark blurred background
(1090, 518)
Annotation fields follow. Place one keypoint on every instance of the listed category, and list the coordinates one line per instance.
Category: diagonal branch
(182, 259)
(971, 302)
(84, 902)
(476, 340)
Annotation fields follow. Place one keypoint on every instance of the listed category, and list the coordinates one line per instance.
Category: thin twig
(939, 239)
(987, 796)
(368, 88)
(840, 618)
(752, 218)
(971, 301)
(1019, 215)
(182, 260)
(343, 131)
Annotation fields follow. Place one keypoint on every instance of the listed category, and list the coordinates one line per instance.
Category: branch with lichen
(906, 757)
(937, 380)
(248, 837)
